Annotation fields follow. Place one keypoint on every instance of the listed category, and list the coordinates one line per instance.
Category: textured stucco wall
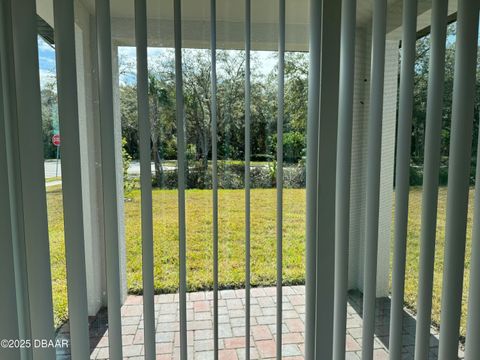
(359, 156)
(359, 161)
(388, 163)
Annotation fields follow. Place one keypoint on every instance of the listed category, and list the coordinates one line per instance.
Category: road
(134, 169)
(50, 168)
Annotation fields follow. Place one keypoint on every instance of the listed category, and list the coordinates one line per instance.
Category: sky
(47, 59)
(46, 55)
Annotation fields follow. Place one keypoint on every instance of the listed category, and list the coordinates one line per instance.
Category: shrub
(293, 146)
(232, 176)
(416, 175)
(294, 177)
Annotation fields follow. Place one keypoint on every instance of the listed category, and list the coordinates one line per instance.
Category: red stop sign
(56, 139)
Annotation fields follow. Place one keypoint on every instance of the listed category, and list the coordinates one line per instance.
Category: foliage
(128, 182)
(49, 118)
(128, 116)
(420, 99)
(294, 146)
(230, 107)
(232, 176)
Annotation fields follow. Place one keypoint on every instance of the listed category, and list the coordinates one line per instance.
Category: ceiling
(230, 21)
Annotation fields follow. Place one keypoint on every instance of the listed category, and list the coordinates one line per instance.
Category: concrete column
(90, 158)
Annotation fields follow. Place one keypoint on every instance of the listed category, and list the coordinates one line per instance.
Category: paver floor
(232, 326)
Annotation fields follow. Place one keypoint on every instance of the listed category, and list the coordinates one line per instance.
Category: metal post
(181, 149)
(213, 40)
(33, 195)
(279, 175)
(104, 42)
(247, 175)
(436, 76)
(402, 174)
(458, 176)
(311, 177)
(344, 158)
(373, 174)
(72, 177)
(56, 162)
(145, 178)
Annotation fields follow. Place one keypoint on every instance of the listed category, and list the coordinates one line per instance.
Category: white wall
(90, 158)
(388, 163)
(359, 161)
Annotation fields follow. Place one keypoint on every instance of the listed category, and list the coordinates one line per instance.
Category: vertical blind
(329, 146)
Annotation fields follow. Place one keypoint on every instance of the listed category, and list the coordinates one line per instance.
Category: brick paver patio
(232, 326)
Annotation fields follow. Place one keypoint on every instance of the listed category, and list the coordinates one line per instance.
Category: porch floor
(232, 330)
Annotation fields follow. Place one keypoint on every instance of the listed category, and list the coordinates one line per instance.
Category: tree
(49, 117)
(420, 98)
(159, 97)
(230, 105)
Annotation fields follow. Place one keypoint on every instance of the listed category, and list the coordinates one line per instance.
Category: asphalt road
(51, 168)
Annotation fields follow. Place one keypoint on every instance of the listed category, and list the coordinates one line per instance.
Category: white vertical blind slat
(433, 130)
(458, 176)
(373, 174)
(402, 174)
(181, 150)
(71, 177)
(109, 188)
(326, 176)
(344, 150)
(279, 175)
(33, 195)
(145, 178)
(247, 173)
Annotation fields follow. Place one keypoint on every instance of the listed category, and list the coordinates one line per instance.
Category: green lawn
(413, 252)
(199, 240)
(232, 245)
(57, 253)
(57, 178)
(231, 239)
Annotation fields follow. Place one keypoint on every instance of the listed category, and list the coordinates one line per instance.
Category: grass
(55, 178)
(199, 240)
(231, 239)
(413, 253)
(232, 243)
(57, 254)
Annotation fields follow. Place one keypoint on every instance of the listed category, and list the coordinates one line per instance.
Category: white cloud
(46, 76)
(43, 45)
